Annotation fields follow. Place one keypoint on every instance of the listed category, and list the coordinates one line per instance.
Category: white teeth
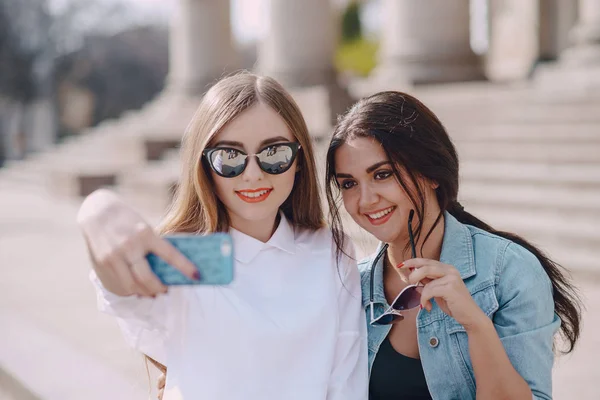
(381, 214)
(254, 194)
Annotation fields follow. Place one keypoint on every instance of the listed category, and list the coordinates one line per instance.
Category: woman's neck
(400, 251)
(259, 230)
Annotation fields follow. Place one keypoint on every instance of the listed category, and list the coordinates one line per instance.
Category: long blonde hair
(196, 208)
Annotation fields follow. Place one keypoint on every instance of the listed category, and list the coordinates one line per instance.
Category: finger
(417, 263)
(121, 273)
(162, 380)
(172, 256)
(152, 282)
(423, 281)
(98, 249)
(145, 279)
(430, 272)
(437, 288)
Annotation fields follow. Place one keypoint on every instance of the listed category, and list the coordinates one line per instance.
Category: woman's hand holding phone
(118, 241)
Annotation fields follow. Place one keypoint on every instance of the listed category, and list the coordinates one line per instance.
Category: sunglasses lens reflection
(276, 159)
(228, 162)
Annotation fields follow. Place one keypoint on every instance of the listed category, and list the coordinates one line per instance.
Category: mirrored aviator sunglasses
(407, 299)
(230, 162)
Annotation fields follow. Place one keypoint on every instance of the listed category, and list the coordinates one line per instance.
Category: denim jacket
(511, 287)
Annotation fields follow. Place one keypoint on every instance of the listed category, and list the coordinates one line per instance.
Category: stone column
(514, 44)
(557, 19)
(586, 35)
(426, 41)
(299, 47)
(298, 51)
(201, 45)
(578, 71)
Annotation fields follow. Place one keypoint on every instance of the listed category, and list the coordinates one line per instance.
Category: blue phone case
(212, 255)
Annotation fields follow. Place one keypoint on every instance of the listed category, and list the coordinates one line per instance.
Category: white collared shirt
(291, 325)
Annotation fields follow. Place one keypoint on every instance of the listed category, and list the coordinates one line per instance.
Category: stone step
(31, 354)
(543, 152)
(24, 176)
(79, 171)
(167, 117)
(541, 196)
(522, 113)
(78, 179)
(152, 185)
(12, 389)
(572, 175)
(570, 228)
(68, 177)
(522, 93)
(573, 239)
(525, 133)
(99, 154)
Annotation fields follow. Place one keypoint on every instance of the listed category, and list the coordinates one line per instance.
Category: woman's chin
(382, 235)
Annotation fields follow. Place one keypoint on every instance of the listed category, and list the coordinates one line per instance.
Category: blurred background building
(97, 93)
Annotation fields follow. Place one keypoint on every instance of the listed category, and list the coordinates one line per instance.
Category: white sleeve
(144, 322)
(350, 378)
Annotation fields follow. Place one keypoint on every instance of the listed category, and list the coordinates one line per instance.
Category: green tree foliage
(351, 28)
(356, 54)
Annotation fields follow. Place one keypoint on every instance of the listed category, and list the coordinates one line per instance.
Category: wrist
(481, 323)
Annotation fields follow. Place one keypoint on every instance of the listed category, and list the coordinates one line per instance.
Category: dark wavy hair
(414, 138)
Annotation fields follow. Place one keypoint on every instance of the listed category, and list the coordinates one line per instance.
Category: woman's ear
(434, 185)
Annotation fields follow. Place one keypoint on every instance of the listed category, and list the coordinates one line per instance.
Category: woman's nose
(253, 172)
(368, 197)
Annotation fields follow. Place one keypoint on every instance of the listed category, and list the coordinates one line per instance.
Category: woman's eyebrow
(377, 165)
(274, 140)
(369, 170)
(228, 143)
(265, 142)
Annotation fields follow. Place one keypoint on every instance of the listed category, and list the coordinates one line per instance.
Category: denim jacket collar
(457, 250)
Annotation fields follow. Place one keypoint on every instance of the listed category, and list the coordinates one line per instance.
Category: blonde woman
(291, 325)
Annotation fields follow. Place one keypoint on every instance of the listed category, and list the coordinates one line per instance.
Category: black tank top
(395, 376)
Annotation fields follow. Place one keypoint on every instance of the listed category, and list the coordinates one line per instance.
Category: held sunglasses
(408, 298)
(230, 162)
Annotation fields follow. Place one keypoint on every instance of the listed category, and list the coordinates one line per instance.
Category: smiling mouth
(254, 196)
(381, 216)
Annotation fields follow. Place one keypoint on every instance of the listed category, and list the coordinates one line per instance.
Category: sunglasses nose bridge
(252, 172)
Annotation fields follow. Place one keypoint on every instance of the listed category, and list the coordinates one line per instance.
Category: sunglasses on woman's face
(408, 298)
(230, 162)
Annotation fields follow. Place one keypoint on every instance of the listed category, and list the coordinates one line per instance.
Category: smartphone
(211, 254)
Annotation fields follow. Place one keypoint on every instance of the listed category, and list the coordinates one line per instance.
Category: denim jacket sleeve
(526, 321)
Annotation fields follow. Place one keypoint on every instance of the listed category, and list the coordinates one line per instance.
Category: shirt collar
(246, 248)
(457, 250)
